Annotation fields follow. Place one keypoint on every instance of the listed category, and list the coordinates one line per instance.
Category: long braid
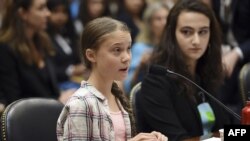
(117, 92)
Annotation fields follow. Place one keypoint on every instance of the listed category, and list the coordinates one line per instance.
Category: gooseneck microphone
(157, 69)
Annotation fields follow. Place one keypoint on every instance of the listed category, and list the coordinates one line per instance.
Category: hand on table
(153, 136)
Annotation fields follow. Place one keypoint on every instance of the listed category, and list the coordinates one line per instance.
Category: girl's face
(192, 34)
(36, 16)
(59, 16)
(96, 8)
(158, 21)
(112, 59)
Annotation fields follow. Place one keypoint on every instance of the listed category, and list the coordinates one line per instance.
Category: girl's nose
(126, 57)
(196, 39)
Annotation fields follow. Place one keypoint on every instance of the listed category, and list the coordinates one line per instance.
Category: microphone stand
(208, 94)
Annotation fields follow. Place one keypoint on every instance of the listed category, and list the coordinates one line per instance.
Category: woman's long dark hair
(92, 36)
(84, 14)
(209, 67)
(13, 29)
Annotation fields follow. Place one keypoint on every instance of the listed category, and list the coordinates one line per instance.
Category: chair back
(31, 119)
(132, 97)
(244, 82)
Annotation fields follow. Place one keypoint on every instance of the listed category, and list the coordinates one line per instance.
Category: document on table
(212, 139)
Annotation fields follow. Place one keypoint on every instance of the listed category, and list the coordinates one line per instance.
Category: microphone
(157, 69)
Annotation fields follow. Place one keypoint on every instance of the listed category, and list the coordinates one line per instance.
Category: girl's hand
(144, 137)
(159, 136)
(153, 136)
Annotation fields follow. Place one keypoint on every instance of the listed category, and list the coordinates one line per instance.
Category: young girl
(99, 110)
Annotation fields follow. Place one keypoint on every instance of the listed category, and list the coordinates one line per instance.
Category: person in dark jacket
(191, 47)
(65, 42)
(25, 51)
(236, 34)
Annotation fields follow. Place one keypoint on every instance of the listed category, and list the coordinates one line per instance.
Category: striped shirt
(86, 116)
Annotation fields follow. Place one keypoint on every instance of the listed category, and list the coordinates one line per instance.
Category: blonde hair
(146, 33)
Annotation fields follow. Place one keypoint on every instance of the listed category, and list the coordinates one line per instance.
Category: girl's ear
(90, 55)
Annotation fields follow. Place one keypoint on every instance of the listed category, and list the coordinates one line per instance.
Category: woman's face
(96, 8)
(158, 21)
(59, 16)
(192, 34)
(37, 15)
(134, 6)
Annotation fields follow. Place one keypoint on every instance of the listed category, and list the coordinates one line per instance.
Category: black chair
(31, 119)
(244, 82)
(132, 97)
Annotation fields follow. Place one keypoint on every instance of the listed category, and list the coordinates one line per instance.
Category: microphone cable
(207, 93)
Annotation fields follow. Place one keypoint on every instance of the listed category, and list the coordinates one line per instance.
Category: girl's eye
(186, 32)
(203, 32)
(117, 49)
(129, 48)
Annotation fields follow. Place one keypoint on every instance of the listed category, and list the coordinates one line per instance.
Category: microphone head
(157, 69)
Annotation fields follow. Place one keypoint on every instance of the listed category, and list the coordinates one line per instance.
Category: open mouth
(124, 69)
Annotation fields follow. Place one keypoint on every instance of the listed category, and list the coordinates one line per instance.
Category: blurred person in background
(154, 18)
(233, 16)
(91, 9)
(234, 22)
(64, 38)
(26, 69)
(131, 12)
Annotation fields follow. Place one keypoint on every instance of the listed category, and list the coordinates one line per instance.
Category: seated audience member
(25, 51)
(89, 10)
(67, 57)
(170, 104)
(130, 12)
(99, 110)
(154, 18)
(233, 18)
